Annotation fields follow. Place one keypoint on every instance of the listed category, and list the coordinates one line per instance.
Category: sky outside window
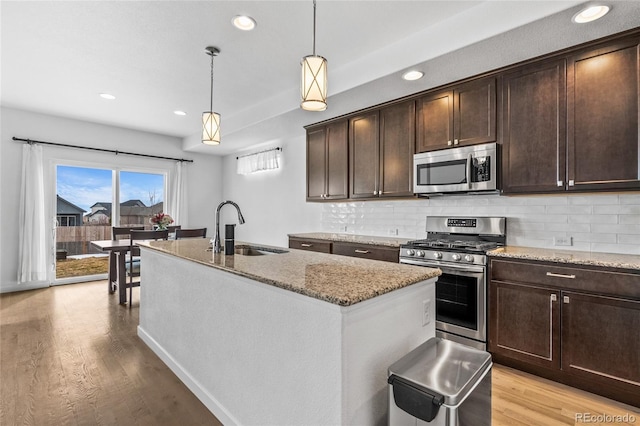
(86, 186)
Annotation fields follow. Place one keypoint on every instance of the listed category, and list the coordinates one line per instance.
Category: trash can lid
(448, 368)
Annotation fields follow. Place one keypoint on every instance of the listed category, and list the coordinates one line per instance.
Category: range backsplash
(600, 223)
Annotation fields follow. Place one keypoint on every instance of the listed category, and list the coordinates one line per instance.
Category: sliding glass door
(89, 201)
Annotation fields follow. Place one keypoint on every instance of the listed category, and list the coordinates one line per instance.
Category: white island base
(256, 354)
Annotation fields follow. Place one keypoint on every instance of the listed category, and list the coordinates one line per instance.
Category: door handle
(551, 274)
(469, 161)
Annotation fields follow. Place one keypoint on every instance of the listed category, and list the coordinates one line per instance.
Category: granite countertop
(352, 238)
(340, 280)
(609, 260)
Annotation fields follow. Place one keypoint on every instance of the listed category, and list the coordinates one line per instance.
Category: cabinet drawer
(367, 251)
(567, 277)
(311, 245)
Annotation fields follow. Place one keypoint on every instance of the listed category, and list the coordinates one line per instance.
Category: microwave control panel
(481, 169)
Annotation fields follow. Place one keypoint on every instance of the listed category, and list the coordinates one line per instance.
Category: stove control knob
(437, 255)
(410, 252)
(420, 253)
(468, 258)
(456, 257)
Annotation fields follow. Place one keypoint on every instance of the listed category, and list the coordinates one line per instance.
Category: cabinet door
(435, 121)
(337, 161)
(397, 142)
(475, 112)
(316, 164)
(601, 342)
(364, 154)
(603, 118)
(367, 251)
(524, 323)
(534, 128)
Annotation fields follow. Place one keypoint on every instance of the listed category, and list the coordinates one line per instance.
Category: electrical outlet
(426, 312)
(344, 228)
(393, 231)
(562, 241)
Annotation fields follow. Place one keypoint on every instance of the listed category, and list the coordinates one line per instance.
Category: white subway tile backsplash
(607, 222)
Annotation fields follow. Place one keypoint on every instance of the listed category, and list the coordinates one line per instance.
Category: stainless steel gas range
(458, 247)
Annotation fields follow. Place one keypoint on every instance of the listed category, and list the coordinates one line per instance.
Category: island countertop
(571, 257)
(335, 279)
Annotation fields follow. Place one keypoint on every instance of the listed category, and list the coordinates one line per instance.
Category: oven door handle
(461, 268)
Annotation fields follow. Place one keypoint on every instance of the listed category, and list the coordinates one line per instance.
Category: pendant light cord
(211, 98)
(314, 27)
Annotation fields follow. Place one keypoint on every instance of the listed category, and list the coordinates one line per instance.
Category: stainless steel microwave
(456, 170)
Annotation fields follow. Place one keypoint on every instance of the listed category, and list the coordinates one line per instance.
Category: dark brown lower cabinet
(367, 251)
(573, 325)
(534, 309)
(364, 251)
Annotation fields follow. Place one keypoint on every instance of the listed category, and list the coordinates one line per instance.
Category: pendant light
(210, 119)
(314, 77)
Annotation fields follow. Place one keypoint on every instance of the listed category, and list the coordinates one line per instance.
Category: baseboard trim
(194, 386)
(24, 287)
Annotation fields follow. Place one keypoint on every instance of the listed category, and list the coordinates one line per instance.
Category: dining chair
(173, 229)
(191, 233)
(133, 266)
(121, 231)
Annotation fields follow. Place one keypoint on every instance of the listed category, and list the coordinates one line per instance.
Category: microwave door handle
(469, 162)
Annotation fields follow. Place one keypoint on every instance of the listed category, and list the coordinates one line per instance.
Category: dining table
(117, 277)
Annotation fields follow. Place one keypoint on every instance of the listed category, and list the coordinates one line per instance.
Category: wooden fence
(76, 239)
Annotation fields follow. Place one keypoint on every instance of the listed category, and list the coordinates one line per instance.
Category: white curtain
(32, 262)
(251, 163)
(177, 202)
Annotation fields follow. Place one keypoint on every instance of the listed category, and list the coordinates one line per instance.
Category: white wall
(203, 176)
(272, 202)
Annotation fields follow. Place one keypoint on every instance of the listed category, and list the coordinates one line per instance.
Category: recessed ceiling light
(590, 13)
(107, 96)
(412, 75)
(179, 113)
(243, 22)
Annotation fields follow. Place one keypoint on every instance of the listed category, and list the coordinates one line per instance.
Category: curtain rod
(31, 141)
(259, 152)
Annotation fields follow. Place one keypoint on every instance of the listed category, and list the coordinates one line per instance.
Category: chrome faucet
(216, 243)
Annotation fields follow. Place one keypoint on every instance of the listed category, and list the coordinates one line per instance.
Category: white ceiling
(57, 56)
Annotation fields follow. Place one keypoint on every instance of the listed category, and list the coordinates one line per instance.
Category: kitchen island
(283, 336)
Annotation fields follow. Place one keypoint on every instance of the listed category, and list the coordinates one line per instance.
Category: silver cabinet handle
(565, 299)
(560, 183)
(551, 274)
(456, 141)
(306, 245)
(554, 298)
(362, 251)
(572, 182)
(449, 143)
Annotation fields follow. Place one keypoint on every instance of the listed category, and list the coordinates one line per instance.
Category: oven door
(461, 301)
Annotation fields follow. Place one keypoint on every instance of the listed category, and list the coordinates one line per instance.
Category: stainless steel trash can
(441, 383)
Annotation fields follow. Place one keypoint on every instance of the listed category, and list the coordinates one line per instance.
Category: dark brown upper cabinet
(462, 115)
(534, 128)
(603, 98)
(381, 145)
(327, 162)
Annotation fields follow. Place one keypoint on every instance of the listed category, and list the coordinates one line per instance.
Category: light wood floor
(70, 355)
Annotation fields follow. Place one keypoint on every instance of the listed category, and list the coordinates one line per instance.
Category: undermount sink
(247, 250)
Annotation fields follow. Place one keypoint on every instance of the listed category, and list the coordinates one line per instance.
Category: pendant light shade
(314, 83)
(210, 119)
(211, 128)
(313, 86)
